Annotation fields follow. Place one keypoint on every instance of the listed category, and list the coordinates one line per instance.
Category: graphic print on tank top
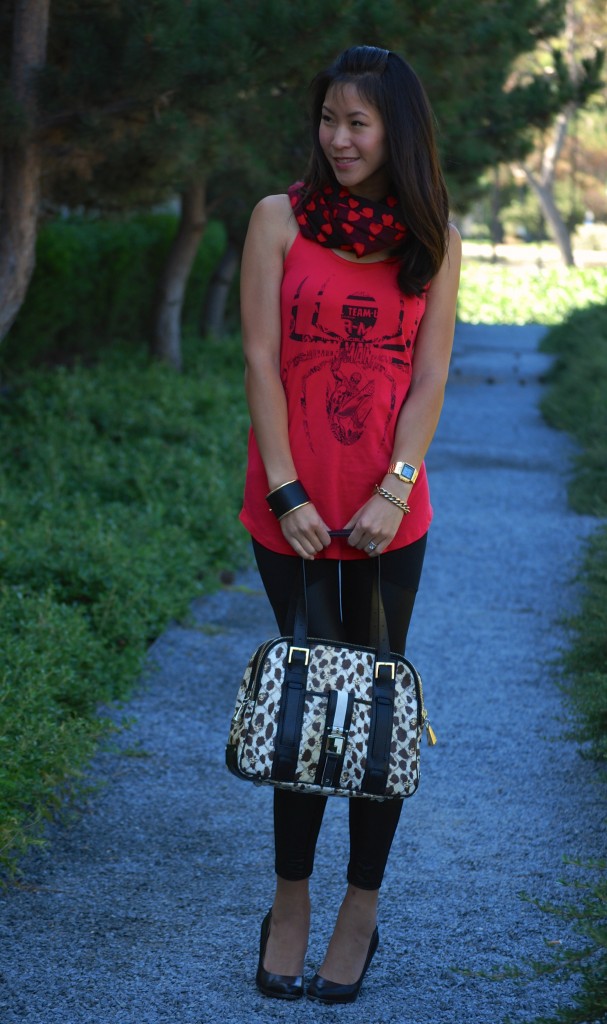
(352, 361)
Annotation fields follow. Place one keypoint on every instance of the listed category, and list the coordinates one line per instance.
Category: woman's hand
(375, 523)
(305, 531)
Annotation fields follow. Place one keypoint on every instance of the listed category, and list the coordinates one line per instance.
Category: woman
(349, 288)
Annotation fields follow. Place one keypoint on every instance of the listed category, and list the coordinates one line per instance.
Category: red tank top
(348, 339)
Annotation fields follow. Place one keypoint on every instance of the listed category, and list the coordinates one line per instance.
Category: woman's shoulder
(454, 239)
(273, 212)
(273, 220)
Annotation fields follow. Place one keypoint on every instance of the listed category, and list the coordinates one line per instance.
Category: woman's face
(353, 139)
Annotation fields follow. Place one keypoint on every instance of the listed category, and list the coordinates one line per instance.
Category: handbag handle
(378, 627)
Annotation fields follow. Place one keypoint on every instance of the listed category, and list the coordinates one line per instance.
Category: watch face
(407, 472)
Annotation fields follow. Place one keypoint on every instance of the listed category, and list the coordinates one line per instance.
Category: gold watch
(404, 471)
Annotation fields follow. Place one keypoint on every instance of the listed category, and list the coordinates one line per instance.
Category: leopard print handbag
(322, 716)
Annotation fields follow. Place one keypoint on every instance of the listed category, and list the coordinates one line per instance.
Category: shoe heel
(276, 986)
(324, 991)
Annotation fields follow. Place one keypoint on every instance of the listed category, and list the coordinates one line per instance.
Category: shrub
(496, 293)
(577, 401)
(115, 511)
(94, 284)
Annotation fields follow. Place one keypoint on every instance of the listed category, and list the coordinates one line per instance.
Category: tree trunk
(542, 182)
(543, 185)
(213, 318)
(496, 230)
(20, 163)
(166, 331)
(555, 222)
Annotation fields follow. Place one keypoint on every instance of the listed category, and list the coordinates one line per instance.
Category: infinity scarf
(335, 218)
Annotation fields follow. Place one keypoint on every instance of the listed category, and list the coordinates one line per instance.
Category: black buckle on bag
(304, 650)
(385, 664)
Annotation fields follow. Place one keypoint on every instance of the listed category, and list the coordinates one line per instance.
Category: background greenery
(137, 104)
(115, 511)
(94, 285)
(577, 402)
(510, 293)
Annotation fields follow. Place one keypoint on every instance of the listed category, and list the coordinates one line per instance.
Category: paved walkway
(146, 910)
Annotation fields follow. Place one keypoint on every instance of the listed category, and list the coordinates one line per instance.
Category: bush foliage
(576, 401)
(94, 285)
(499, 293)
(115, 511)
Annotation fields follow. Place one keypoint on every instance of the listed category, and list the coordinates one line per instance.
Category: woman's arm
(269, 236)
(378, 519)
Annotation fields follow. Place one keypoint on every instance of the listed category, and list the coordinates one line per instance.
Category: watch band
(404, 471)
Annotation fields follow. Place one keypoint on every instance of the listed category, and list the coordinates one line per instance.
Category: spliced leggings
(339, 597)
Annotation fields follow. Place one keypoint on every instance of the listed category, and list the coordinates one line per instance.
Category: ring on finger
(371, 545)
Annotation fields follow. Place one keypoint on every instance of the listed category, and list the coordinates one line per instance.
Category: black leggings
(339, 599)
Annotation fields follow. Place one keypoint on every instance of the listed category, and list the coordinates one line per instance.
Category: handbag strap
(378, 627)
(290, 716)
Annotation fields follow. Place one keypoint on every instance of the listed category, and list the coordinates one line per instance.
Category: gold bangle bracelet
(286, 484)
(294, 509)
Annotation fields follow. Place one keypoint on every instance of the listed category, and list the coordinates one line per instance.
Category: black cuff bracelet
(287, 498)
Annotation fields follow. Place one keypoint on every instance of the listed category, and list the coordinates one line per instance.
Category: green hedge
(576, 401)
(504, 293)
(116, 509)
(94, 285)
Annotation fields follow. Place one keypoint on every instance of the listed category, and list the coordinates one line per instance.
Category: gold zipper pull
(430, 735)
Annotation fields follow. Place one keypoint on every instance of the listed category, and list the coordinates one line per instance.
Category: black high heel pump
(277, 986)
(325, 991)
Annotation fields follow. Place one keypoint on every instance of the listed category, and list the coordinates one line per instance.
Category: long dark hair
(389, 84)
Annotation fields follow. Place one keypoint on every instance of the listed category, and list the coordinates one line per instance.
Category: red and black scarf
(335, 218)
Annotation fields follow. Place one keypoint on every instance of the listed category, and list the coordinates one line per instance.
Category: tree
(142, 101)
(577, 66)
(20, 155)
(172, 284)
(463, 51)
(146, 77)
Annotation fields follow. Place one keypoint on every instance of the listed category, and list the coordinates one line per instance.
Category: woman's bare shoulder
(272, 222)
(273, 213)
(454, 240)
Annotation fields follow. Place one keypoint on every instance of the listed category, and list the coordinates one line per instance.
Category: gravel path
(146, 910)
